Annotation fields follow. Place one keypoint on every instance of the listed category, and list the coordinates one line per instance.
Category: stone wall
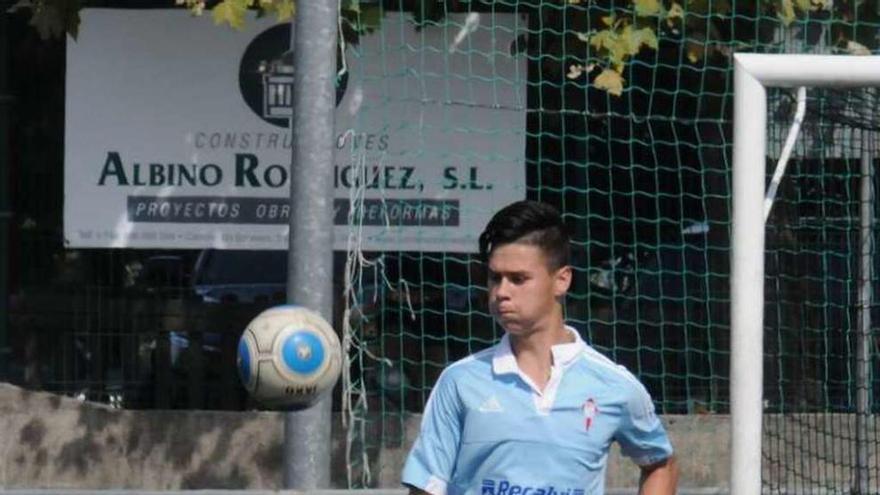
(48, 441)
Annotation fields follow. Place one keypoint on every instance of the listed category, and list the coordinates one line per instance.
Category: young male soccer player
(536, 413)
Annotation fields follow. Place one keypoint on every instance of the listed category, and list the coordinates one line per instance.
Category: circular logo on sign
(265, 76)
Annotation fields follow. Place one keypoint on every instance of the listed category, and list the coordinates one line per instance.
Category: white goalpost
(754, 73)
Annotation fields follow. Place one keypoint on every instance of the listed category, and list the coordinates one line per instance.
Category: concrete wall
(48, 441)
(51, 441)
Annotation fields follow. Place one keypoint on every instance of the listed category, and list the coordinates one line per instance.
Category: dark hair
(528, 222)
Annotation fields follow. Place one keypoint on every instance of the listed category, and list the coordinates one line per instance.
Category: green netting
(820, 344)
(643, 181)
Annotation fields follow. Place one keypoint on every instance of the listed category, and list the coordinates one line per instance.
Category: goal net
(804, 363)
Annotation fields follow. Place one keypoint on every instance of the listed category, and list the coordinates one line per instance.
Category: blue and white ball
(289, 356)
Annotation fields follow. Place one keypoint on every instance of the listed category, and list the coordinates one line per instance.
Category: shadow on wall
(68, 443)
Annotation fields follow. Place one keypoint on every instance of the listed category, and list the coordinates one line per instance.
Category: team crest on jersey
(591, 410)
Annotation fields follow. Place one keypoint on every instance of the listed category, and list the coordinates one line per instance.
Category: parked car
(242, 280)
(240, 276)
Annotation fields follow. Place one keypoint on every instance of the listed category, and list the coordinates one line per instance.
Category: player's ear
(562, 281)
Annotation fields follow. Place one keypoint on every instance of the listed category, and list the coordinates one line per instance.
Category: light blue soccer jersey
(487, 430)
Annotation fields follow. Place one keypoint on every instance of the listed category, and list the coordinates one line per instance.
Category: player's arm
(431, 461)
(660, 478)
(643, 438)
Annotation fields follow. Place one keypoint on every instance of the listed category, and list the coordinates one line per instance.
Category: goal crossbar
(753, 74)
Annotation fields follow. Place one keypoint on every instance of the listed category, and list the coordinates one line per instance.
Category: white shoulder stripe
(472, 357)
(596, 357)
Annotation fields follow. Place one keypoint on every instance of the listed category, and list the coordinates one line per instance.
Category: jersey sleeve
(641, 435)
(431, 461)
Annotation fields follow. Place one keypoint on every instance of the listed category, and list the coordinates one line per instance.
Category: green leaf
(610, 81)
(283, 9)
(628, 44)
(785, 11)
(694, 52)
(230, 12)
(640, 37)
(195, 7)
(603, 40)
(645, 8)
(675, 12)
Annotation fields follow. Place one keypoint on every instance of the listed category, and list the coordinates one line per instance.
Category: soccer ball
(288, 356)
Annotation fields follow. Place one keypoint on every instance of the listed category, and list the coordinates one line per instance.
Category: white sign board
(177, 132)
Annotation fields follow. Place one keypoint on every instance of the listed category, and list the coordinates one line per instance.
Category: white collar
(504, 361)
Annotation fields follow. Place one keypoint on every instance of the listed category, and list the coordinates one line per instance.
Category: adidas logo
(491, 405)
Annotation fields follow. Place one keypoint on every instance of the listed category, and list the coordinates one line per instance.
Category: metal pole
(863, 350)
(5, 204)
(747, 281)
(310, 277)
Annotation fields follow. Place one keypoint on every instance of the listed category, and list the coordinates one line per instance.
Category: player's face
(523, 290)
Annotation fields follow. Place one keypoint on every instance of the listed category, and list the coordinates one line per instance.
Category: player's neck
(533, 350)
(538, 342)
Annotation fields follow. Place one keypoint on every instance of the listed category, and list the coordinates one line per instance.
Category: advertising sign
(178, 135)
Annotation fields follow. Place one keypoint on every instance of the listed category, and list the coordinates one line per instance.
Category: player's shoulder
(627, 388)
(475, 364)
(611, 371)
